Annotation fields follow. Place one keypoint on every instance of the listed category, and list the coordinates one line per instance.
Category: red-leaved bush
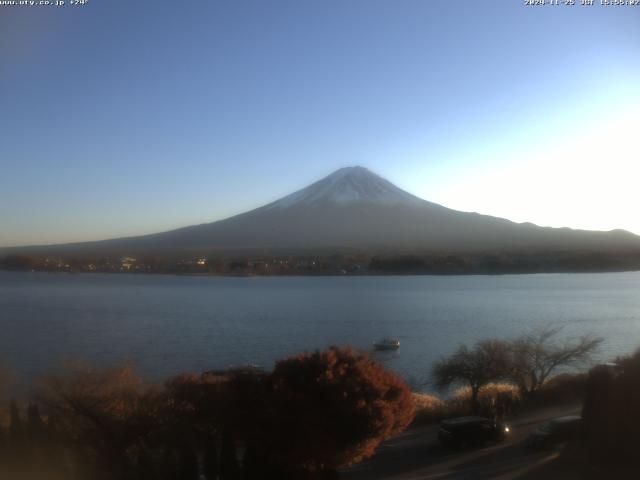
(333, 408)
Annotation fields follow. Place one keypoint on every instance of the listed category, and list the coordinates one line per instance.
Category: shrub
(611, 413)
(566, 387)
(494, 400)
(427, 402)
(489, 392)
(196, 405)
(334, 408)
(314, 413)
(429, 408)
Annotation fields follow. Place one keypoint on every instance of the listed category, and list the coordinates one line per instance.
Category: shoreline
(330, 275)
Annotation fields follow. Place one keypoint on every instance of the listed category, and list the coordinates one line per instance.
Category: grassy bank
(500, 399)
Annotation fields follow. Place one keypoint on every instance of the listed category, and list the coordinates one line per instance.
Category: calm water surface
(169, 324)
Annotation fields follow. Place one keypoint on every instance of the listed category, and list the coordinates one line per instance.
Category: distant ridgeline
(336, 264)
(350, 222)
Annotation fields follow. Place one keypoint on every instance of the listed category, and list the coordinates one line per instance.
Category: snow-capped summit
(350, 185)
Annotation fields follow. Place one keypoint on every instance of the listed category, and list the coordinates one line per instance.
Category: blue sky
(122, 117)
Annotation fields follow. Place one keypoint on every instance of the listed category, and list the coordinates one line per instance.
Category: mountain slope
(354, 208)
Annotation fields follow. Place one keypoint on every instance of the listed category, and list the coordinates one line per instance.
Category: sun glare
(586, 179)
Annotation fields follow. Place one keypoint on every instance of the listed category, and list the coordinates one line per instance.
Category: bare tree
(535, 356)
(487, 362)
(106, 410)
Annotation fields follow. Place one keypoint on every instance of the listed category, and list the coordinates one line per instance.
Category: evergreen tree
(16, 432)
(52, 442)
(144, 465)
(15, 422)
(250, 464)
(210, 461)
(169, 466)
(228, 457)
(3, 445)
(35, 429)
(187, 463)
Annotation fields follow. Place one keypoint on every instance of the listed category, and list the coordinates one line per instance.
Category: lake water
(171, 324)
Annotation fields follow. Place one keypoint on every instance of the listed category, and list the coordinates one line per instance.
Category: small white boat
(387, 344)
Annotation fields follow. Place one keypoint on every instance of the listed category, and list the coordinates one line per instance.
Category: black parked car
(462, 431)
(558, 430)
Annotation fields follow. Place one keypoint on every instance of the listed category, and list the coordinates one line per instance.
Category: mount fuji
(354, 208)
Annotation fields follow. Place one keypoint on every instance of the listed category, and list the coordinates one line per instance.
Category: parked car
(462, 431)
(554, 432)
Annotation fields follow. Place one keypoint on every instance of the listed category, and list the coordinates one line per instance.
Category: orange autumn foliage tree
(334, 408)
(104, 413)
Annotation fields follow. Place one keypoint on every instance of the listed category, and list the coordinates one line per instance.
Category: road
(416, 455)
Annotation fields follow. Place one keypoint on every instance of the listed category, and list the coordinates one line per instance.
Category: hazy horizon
(126, 119)
(283, 199)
